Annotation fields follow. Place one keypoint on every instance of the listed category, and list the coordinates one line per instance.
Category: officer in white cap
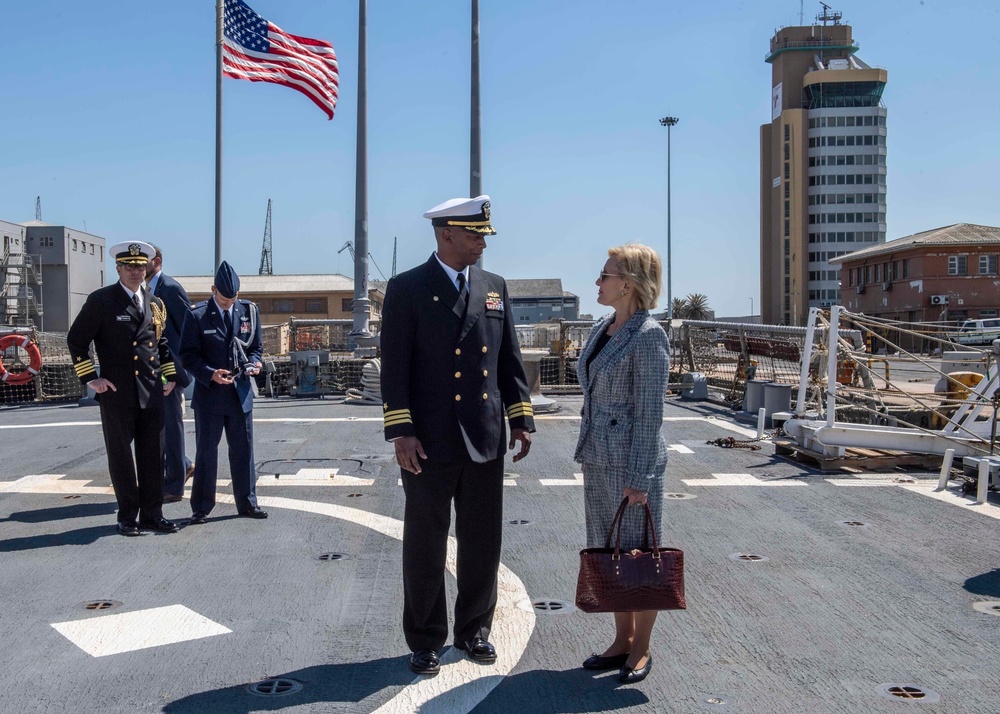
(126, 323)
(451, 372)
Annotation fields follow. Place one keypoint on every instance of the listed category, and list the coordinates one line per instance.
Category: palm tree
(678, 308)
(696, 307)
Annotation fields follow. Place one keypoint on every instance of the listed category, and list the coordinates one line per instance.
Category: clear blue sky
(108, 115)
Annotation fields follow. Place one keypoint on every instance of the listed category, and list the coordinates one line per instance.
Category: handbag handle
(616, 528)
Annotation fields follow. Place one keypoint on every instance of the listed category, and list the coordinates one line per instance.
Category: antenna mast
(38, 208)
(394, 256)
(265, 252)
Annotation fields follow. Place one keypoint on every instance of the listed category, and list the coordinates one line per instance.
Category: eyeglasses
(132, 266)
(604, 275)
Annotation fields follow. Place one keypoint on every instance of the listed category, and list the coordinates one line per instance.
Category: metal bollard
(949, 455)
(760, 422)
(984, 481)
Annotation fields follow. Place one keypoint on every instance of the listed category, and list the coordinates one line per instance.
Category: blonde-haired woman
(623, 373)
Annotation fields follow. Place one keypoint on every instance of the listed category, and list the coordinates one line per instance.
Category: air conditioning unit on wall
(939, 299)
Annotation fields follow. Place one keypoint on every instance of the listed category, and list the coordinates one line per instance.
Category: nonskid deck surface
(807, 592)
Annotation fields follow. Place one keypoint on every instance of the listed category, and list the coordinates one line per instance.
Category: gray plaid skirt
(602, 494)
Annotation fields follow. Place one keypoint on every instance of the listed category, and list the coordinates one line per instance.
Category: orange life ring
(34, 367)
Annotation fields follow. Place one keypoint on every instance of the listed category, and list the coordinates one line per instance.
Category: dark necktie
(463, 293)
(229, 325)
(135, 301)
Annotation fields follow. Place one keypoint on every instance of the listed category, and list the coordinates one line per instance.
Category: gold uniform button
(458, 375)
(135, 344)
(458, 397)
(484, 349)
(486, 373)
(485, 397)
(150, 359)
(458, 352)
(150, 344)
(137, 373)
(135, 356)
(435, 298)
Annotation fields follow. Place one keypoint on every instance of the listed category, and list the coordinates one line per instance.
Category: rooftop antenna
(38, 208)
(828, 15)
(801, 14)
(265, 252)
(394, 256)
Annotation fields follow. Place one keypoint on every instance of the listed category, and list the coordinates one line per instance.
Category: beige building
(280, 297)
(822, 168)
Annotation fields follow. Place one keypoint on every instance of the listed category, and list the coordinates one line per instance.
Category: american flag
(260, 51)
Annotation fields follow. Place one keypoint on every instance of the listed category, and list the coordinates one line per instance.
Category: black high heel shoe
(599, 662)
(627, 675)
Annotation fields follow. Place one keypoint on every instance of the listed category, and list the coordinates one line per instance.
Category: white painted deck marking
(52, 483)
(139, 630)
(577, 480)
(738, 480)
(314, 477)
(680, 449)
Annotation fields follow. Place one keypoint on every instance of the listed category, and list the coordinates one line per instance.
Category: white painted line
(506, 482)
(52, 483)
(739, 480)
(879, 482)
(577, 480)
(139, 630)
(315, 477)
(680, 449)
(955, 498)
(462, 683)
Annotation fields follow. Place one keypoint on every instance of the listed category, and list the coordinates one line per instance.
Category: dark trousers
(175, 462)
(208, 430)
(138, 484)
(477, 490)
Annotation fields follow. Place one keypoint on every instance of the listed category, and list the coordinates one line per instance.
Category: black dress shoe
(128, 528)
(627, 675)
(171, 498)
(189, 473)
(599, 662)
(425, 662)
(197, 518)
(161, 525)
(478, 649)
(254, 513)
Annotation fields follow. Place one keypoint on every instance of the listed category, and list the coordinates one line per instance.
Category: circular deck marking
(275, 687)
(749, 557)
(990, 607)
(679, 496)
(909, 693)
(462, 684)
(100, 605)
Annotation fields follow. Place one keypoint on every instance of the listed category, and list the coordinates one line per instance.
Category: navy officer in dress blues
(451, 371)
(221, 348)
(126, 323)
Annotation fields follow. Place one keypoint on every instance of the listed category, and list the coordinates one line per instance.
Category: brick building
(947, 273)
(283, 296)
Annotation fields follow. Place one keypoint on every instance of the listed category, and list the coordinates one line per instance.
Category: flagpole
(475, 132)
(361, 302)
(219, 35)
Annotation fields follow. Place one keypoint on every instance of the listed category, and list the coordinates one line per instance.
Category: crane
(265, 252)
(349, 247)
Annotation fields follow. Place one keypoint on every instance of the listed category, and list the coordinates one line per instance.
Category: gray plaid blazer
(623, 394)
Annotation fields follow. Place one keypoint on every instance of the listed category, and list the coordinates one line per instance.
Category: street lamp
(669, 122)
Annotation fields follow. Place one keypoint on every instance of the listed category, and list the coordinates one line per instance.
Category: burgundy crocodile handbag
(641, 579)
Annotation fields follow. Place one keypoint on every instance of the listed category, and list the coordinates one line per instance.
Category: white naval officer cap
(132, 252)
(471, 214)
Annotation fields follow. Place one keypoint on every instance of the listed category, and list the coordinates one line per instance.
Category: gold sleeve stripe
(397, 412)
(167, 368)
(84, 367)
(82, 373)
(520, 409)
(393, 421)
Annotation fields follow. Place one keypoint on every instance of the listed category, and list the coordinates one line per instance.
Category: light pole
(751, 307)
(669, 122)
